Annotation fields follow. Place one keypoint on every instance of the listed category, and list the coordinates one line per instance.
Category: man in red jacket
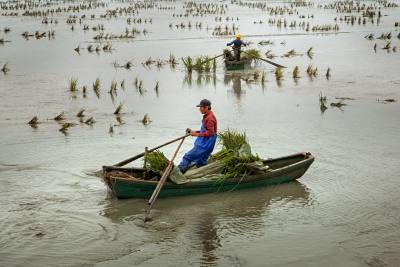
(205, 141)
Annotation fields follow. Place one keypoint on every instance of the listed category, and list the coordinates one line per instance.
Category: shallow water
(343, 212)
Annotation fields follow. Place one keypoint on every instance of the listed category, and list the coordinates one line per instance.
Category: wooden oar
(160, 184)
(138, 156)
(269, 61)
(211, 59)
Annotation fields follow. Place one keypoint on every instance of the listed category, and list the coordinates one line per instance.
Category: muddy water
(343, 212)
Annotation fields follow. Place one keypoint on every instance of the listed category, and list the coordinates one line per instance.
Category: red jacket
(210, 123)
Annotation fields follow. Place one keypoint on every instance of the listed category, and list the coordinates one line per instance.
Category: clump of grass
(113, 87)
(34, 121)
(80, 113)
(146, 119)
(65, 126)
(291, 53)
(5, 68)
(312, 72)
(322, 103)
(188, 62)
(310, 53)
(59, 117)
(73, 85)
(232, 140)
(328, 73)
(96, 87)
(338, 104)
(90, 121)
(156, 162)
(172, 60)
(278, 73)
(118, 109)
(296, 73)
(128, 65)
(252, 53)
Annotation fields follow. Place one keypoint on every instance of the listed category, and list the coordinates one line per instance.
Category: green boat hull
(285, 169)
(237, 65)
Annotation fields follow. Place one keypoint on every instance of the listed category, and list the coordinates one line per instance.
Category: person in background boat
(237, 44)
(205, 141)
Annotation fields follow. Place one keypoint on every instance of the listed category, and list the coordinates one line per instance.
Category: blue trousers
(196, 155)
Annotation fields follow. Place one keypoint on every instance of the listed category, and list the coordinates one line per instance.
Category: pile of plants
(234, 160)
(235, 154)
(248, 54)
(156, 162)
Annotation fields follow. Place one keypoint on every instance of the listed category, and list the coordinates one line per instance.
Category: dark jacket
(236, 43)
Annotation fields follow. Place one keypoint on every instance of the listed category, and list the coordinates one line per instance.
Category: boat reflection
(209, 218)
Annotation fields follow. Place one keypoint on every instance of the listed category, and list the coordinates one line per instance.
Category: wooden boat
(122, 183)
(237, 65)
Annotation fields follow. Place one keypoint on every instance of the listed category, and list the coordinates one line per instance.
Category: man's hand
(188, 130)
(193, 133)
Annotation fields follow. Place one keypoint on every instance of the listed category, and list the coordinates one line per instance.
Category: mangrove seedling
(59, 117)
(338, 104)
(34, 121)
(296, 73)
(90, 121)
(278, 73)
(123, 84)
(80, 113)
(5, 68)
(291, 53)
(96, 87)
(252, 53)
(118, 110)
(146, 119)
(172, 60)
(310, 53)
(387, 46)
(328, 73)
(322, 102)
(128, 65)
(73, 85)
(113, 87)
(65, 126)
(156, 88)
(188, 62)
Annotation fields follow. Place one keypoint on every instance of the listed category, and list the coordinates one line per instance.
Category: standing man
(237, 44)
(205, 141)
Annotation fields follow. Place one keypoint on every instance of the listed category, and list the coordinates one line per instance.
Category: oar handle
(165, 174)
(157, 190)
(268, 61)
(129, 160)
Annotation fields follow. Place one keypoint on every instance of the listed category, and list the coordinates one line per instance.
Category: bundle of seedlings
(235, 156)
(228, 55)
(156, 162)
(251, 54)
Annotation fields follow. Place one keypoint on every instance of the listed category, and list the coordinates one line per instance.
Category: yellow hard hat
(237, 35)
